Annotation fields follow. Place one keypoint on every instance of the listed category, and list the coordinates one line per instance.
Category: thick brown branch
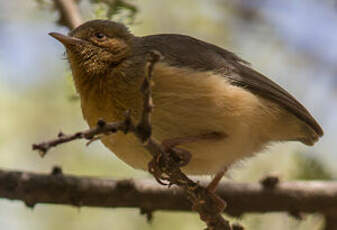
(69, 13)
(57, 188)
(331, 221)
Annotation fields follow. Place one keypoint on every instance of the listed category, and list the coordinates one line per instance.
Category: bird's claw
(215, 205)
(155, 170)
(181, 156)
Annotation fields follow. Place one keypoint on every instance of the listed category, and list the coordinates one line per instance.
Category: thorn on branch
(42, 148)
(93, 140)
(29, 204)
(148, 213)
(76, 201)
(270, 182)
(237, 226)
(296, 214)
(101, 123)
(60, 134)
(56, 171)
(78, 135)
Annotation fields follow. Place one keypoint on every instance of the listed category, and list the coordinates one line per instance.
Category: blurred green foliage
(115, 9)
(119, 10)
(310, 168)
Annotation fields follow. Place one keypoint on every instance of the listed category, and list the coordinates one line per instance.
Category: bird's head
(96, 46)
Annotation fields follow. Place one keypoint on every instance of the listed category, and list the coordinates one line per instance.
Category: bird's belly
(208, 156)
(195, 109)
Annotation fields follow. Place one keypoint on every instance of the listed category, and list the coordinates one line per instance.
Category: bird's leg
(218, 204)
(182, 156)
(212, 186)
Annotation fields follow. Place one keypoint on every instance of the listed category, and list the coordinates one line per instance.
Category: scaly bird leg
(219, 204)
(215, 181)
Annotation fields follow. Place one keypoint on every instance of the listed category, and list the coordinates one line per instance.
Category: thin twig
(89, 134)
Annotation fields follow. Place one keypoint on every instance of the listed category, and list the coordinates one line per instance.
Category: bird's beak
(64, 39)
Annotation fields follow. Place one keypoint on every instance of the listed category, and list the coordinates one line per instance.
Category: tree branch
(57, 188)
(331, 221)
(69, 13)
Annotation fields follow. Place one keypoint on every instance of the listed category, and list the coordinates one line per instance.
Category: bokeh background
(292, 42)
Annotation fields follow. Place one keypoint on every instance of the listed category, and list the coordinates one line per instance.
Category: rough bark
(146, 194)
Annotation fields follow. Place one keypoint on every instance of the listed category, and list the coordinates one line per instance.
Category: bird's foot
(217, 205)
(157, 165)
(155, 169)
(181, 156)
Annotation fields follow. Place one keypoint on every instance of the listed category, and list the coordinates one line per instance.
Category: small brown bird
(206, 97)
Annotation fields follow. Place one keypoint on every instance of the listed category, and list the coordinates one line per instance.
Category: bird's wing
(185, 51)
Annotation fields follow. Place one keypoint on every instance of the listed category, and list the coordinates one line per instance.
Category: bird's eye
(100, 36)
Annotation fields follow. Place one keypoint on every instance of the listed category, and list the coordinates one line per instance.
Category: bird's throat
(108, 96)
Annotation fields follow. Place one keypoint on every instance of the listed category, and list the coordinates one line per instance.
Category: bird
(207, 100)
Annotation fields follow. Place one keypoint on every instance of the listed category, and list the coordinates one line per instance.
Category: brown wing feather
(181, 50)
(264, 87)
